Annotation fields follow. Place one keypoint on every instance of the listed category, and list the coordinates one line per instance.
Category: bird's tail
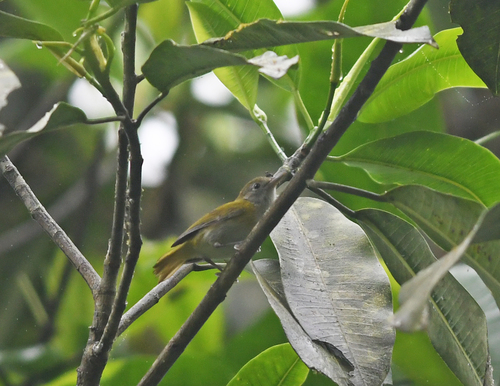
(168, 264)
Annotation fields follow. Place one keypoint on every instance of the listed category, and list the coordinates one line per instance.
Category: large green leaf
(61, 115)
(278, 365)
(212, 19)
(457, 325)
(443, 162)
(265, 33)
(17, 27)
(447, 220)
(335, 286)
(315, 355)
(480, 41)
(241, 81)
(414, 81)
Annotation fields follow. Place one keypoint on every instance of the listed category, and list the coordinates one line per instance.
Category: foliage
(388, 186)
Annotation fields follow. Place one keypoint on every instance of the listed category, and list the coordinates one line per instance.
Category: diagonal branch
(310, 166)
(40, 215)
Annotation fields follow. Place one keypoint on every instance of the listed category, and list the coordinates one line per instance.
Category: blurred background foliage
(200, 146)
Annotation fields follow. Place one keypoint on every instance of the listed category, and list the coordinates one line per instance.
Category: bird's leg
(210, 262)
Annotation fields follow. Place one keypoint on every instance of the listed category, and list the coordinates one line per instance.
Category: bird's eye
(256, 186)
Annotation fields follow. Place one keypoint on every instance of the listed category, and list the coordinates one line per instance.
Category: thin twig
(152, 297)
(90, 189)
(40, 215)
(135, 188)
(345, 189)
(99, 121)
(216, 294)
(111, 304)
(67, 204)
(149, 107)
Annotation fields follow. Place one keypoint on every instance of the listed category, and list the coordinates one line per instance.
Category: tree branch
(40, 215)
(153, 297)
(111, 304)
(310, 166)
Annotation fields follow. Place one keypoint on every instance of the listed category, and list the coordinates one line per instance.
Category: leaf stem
(260, 118)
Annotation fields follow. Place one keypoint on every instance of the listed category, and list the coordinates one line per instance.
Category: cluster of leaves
(394, 180)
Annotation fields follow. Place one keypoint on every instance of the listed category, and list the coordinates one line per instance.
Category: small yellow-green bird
(215, 235)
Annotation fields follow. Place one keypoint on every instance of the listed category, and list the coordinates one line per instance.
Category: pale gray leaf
(314, 355)
(336, 287)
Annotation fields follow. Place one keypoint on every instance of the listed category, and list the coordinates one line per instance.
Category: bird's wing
(222, 213)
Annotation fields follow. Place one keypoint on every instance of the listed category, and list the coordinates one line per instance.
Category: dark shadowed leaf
(457, 325)
(314, 355)
(265, 33)
(481, 38)
(335, 286)
(61, 115)
(440, 161)
(276, 366)
(17, 27)
(490, 226)
(171, 64)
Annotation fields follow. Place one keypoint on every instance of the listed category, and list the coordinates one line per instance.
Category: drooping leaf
(314, 355)
(278, 365)
(170, 64)
(457, 325)
(442, 162)
(413, 295)
(480, 41)
(447, 220)
(335, 286)
(17, 27)
(61, 115)
(266, 33)
(415, 80)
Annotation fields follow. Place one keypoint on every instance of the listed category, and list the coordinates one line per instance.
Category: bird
(217, 234)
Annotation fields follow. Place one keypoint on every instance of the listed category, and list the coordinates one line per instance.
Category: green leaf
(447, 220)
(17, 27)
(212, 19)
(265, 33)
(442, 162)
(457, 325)
(335, 286)
(315, 355)
(415, 80)
(170, 64)
(278, 365)
(61, 115)
(481, 38)
(49, 12)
